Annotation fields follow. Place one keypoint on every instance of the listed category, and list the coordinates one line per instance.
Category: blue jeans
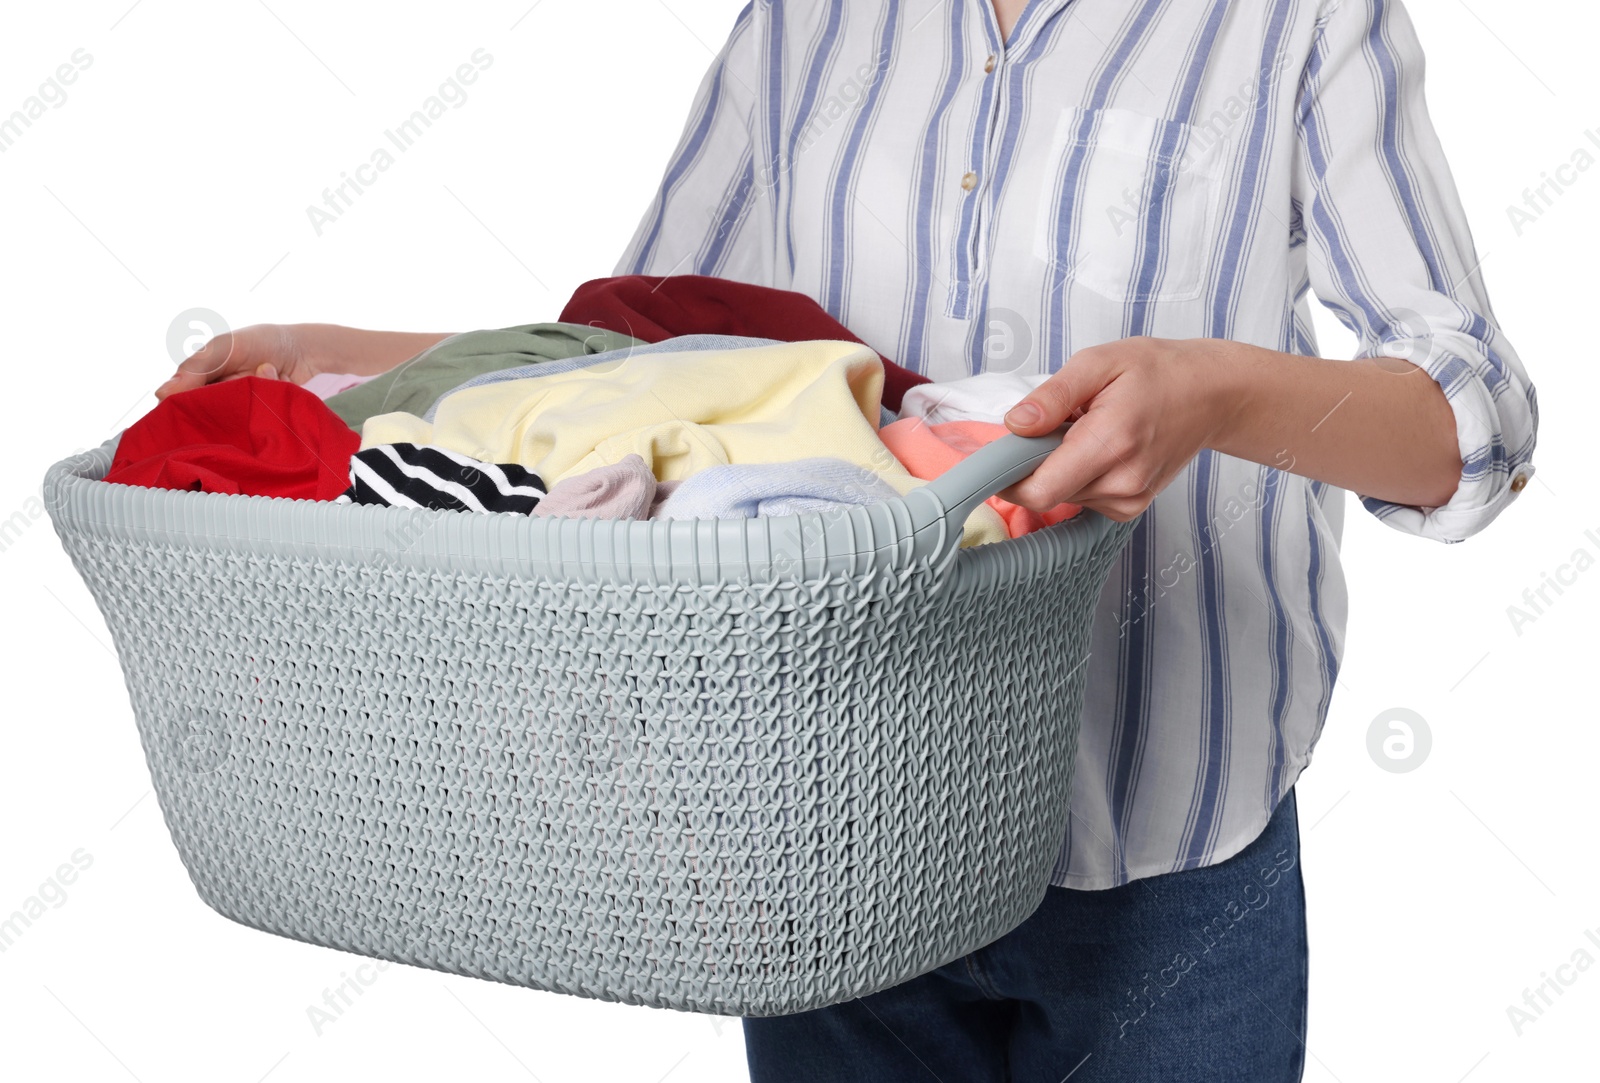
(1189, 977)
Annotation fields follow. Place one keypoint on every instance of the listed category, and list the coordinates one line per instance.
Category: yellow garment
(681, 413)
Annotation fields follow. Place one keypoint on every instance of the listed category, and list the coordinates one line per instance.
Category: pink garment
(623, 490)
(325, 385)
(926, 451)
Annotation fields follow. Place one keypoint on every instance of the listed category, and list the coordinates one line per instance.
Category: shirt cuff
(1490, 478)
(1450, 523)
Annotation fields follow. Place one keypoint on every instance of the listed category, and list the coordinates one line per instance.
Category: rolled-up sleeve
(1389, 251)
(711, 214)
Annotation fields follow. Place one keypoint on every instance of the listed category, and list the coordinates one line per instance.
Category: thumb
(221, 356)
(1055, 401)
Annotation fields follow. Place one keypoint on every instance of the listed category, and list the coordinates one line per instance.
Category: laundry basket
(744, 767)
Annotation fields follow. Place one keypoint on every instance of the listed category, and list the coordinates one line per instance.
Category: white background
(176, 175)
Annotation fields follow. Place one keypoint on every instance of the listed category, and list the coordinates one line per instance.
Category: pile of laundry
(682, 397)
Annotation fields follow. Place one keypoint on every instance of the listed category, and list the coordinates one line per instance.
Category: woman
(1132, 198)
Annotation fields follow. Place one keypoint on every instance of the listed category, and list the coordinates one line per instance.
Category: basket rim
(850, 540)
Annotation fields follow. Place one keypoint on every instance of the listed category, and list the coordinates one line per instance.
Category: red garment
(653, 307)
(251, 436)
(926, 451)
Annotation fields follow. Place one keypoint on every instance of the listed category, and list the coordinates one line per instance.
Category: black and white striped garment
(424, 476)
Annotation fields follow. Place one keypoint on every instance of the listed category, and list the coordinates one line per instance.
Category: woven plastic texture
(587, 758)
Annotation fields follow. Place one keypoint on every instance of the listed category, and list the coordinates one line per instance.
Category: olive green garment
(414, 385)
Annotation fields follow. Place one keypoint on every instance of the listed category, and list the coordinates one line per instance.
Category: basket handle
(953, 495)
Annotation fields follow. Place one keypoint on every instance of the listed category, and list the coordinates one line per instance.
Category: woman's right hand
(296, 352)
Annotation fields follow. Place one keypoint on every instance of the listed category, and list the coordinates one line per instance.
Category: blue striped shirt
(1175, 168)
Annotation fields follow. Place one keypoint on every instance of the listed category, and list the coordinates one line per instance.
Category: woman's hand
(1141, 409)
(295, 352)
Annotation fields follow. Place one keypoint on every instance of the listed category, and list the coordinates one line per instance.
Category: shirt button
(969, 181)
(1519, 483)
(988, 65)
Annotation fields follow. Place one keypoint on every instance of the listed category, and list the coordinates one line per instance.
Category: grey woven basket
(748, 767)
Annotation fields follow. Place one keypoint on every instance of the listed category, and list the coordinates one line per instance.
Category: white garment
(984, 397)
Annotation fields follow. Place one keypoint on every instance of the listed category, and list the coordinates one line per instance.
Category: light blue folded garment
(766, 489)
(681, 344)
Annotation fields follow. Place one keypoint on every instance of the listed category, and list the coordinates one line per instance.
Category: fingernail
(1024, 414)
(267, 372)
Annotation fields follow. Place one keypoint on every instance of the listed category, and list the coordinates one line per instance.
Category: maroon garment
(653, 307)
(251, 436)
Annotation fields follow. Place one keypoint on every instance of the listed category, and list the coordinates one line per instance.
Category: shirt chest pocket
(1130, 209)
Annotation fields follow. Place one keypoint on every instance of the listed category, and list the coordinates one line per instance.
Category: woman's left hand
(1141, 409)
